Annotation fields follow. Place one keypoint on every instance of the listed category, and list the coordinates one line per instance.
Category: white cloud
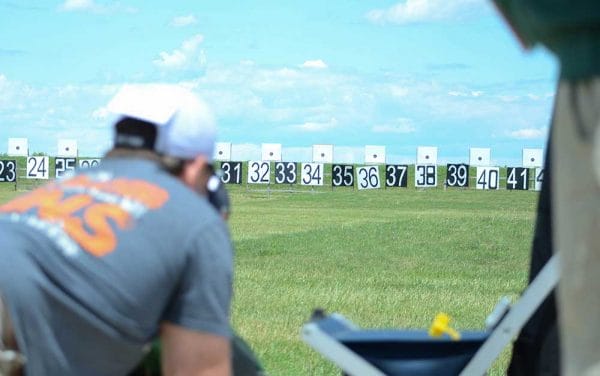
(529, 133)
(100, 113)
(456, 93)
(462, 93)
(182, 21)
(75, 5)
(312, 126)
(509, 98)
(413, 11)
(402, 125)
(316, 64)
(54, 112)
(93, 7)
(189, 55)
(398, 91)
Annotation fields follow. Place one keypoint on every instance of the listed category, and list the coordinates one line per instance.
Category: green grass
(382, 258)
(387, 258)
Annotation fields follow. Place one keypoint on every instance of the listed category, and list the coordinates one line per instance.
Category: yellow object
(441, 326)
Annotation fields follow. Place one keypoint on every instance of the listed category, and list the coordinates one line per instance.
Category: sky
(350, 73)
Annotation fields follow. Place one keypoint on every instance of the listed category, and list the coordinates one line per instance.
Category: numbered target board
(286, 172)
(342, 175)
(63, 166)
(457, 175)
(8, 171)
(312, 174)
(231, 172)
(425, 175)
(539, 178)
(488, 178)
(396, 176)
(88, 162)
(517, 178)
(38, 168)
(367, 177)
(259, 172)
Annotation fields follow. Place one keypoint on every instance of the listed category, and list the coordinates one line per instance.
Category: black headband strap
(135, 134)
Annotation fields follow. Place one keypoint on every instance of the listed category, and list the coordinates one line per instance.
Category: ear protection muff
(218, 196)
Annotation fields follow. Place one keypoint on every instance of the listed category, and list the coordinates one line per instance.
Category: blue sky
(350, 73)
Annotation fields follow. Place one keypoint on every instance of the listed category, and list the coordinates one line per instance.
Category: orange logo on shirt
(85, 218)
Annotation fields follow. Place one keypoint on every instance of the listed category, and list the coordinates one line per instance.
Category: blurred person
(218, 197)
(244, 361)
(569, 209)
(96, 266)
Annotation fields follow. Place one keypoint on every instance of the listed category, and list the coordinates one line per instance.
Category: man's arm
(187, 352)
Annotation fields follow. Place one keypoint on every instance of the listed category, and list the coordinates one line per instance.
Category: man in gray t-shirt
(95, 266)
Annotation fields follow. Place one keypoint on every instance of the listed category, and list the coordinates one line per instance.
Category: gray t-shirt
(90, 265)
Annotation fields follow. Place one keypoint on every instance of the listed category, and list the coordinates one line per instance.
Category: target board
(271, 152)
(38, 168)
(427, 155)
(64, 166)
(231, 172)
(396, 175)
(457, 175)
(286, 172)
(222, 151)
(342, 175)
(479, 157)
(8, 171)
(517, 178)
(367, 177)
(322, 153)
(425, 176)
(18, 147)
(374, 154)
(259, 172)
(312, 174)
(533, 158)
(488, 178)
(67, 148)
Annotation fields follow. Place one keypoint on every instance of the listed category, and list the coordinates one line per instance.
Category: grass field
(383, 258)
(387, 258)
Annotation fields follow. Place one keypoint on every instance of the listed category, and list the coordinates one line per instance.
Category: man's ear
(191, 175)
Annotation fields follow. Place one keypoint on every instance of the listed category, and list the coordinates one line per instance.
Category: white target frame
(375, 154)
(67, 148)
(259, 172)
(480, 157)
(312, 174)
(222, 151)
(487, 178)
(367, 177)
(322, 153)
(426, 175)
(271, 152)
(38, 167)
(18, 147)
(427, 155)
(533, 158)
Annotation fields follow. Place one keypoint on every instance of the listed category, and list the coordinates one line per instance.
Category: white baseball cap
(185, 125)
